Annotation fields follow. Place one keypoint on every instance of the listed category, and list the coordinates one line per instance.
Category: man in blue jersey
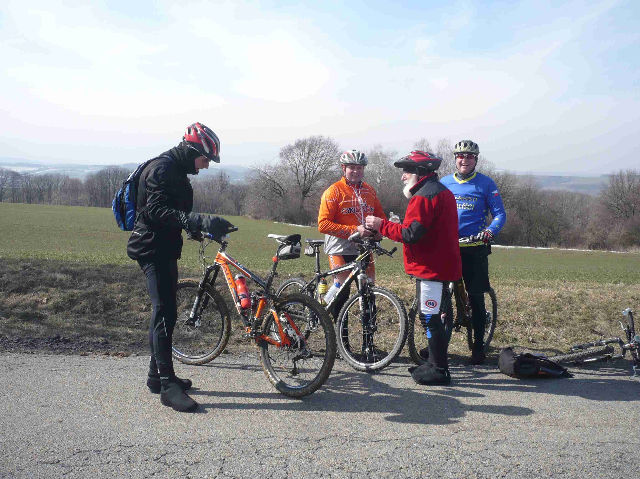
(478, 199)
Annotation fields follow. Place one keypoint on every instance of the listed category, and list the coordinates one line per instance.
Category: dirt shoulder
(71, 308)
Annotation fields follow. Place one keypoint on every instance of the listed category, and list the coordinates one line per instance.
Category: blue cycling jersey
(478, 198)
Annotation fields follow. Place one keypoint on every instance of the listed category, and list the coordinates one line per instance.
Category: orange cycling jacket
(343, 207)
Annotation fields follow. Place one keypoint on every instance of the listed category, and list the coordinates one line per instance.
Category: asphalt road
(92, 416)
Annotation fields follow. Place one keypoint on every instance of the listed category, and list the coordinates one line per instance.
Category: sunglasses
(466, 155)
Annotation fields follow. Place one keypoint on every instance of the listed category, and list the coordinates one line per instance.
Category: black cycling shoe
(153, 383)
(173, 396)
(429, 375)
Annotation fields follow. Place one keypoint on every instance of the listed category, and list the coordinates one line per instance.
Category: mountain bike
(295, 338)
(602, 349)
(372, 325)
(416, 335)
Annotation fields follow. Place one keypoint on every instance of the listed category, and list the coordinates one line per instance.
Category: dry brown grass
(106, 307)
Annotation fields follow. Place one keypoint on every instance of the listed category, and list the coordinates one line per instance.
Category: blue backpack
(125, 201)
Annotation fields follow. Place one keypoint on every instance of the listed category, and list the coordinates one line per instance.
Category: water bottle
(322, 289)
(331, 293)
(243, 293)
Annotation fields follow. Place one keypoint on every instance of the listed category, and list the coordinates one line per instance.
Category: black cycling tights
(162, 280)
(478, 319)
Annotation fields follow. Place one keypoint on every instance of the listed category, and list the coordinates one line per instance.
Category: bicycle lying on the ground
(416, 335)
(372, 325)
(294, 335)
(602, 350)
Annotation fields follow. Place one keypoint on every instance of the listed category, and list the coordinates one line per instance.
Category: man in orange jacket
(343, 209)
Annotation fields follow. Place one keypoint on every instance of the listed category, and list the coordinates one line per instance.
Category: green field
(547, 298)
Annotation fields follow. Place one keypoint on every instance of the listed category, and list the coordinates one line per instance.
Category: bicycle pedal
(250, 333)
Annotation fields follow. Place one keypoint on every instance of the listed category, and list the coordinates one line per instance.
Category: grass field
(547, 298)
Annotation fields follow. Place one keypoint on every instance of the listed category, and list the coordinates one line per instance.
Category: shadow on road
(352, 391)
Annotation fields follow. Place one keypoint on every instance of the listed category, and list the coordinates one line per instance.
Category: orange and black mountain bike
(295, 338)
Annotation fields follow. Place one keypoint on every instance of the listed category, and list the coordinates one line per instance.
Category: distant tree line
(289, 191)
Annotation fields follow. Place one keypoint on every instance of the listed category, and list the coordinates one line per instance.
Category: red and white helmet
(203, 140)
(419, 162)
(353, 157)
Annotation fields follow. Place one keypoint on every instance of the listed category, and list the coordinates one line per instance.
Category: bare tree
(102, 185)
(444, 150)
(622, 195)
(301, 173)
(310, 160)
(5, 178)
(72, 192)
(218, 195)
(385, 178)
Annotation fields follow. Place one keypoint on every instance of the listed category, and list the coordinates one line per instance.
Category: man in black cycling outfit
(165, 200)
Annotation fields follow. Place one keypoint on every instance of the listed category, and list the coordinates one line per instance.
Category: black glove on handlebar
(195, 223)
(216, 226)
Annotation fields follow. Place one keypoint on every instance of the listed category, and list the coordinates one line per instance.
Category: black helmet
(421, 162)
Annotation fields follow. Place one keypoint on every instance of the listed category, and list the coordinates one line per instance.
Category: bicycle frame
(251, 318)
(356, 267)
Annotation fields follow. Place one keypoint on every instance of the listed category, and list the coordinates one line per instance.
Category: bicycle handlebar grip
(395, 248)
(354, 237)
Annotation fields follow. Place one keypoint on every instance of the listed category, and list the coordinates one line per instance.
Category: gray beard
(407, 188)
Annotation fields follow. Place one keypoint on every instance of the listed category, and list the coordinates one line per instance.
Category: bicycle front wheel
(372, 330)
(299, 368)
(202, 338)
(491, 317)
(598, 352)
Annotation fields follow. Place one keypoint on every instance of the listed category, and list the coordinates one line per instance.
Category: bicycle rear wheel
(371, 332)
(417, 336)
(491, 306)
(202, 338)
(300, 368)
(599, 352)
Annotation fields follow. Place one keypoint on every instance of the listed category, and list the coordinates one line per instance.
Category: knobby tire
(301, 368)
(363, 349)
(200, 344)
(580, 356)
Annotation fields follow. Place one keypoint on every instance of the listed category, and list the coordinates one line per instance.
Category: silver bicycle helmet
(353, 157)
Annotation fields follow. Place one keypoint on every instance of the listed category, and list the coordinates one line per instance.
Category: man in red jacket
(429, 235)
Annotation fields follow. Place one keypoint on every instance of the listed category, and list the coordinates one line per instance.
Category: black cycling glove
(194, 223)
(216, 226)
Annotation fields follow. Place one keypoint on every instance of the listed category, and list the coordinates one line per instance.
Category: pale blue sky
(541, 86)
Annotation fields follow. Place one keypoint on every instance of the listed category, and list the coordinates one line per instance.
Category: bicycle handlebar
(221, 238)
(371, 243)
(470, 239)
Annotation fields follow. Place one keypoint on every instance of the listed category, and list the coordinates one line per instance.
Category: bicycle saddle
(290, 239)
